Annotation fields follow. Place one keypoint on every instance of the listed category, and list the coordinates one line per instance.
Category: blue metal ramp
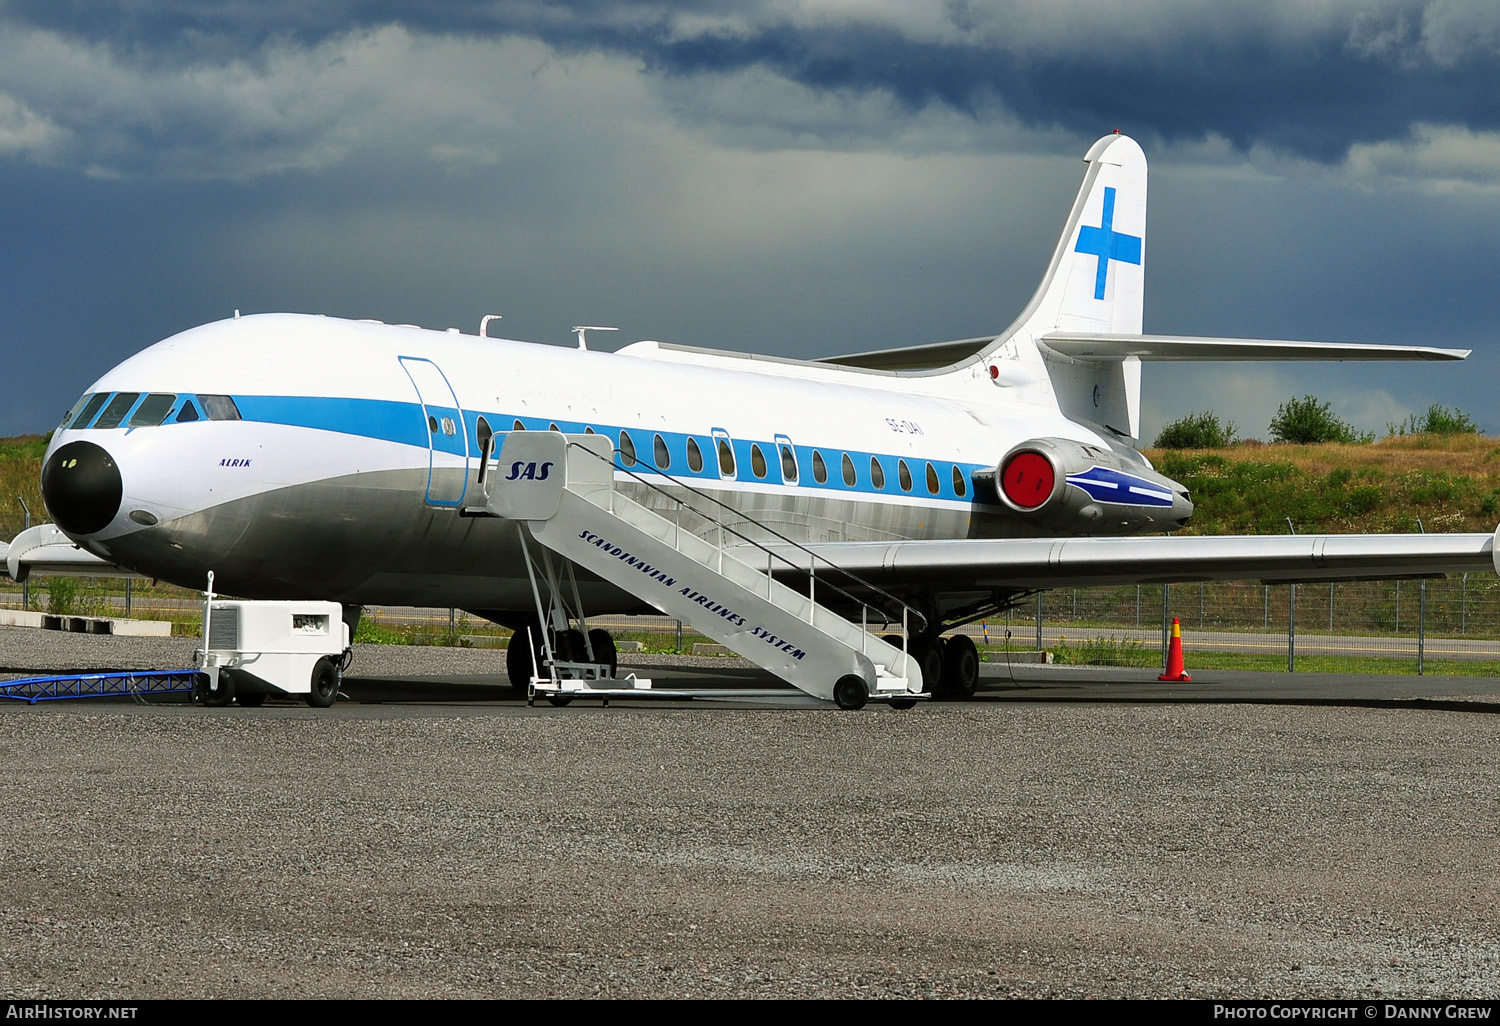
(116, 684)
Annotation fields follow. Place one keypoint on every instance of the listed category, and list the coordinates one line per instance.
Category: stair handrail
(813, 557)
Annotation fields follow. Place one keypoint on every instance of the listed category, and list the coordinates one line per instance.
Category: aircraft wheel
(603, 644)
(252, 699)
(902, 703)
(568, 646)
(928, 652)
(223, 696)
(325, 684)
(960, 666)
(518, 658)
(559, 700)
(850, 692)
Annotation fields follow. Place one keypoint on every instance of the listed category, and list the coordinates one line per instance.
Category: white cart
(254, 649)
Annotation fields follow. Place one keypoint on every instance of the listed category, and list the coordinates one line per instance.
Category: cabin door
(447, 437)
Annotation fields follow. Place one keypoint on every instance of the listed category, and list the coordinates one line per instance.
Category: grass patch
(1448, 482)
(21, 474)
(1406, 666)
(1105, 652)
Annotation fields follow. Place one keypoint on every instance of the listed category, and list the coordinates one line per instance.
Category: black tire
(325, 684)
(928, 652)
(224, 694)
(568, 646)
(252, 699)
(960, 666)
(518, 656)
(902, 703)
(559, 700)
(603, 644)
(850, 692)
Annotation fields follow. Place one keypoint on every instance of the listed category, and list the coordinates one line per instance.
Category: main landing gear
(526, 653)
(950, 666)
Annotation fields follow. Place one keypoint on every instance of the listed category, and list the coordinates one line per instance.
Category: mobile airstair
(563, 489)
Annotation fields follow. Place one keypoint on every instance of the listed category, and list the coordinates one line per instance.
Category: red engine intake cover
(1028, 479)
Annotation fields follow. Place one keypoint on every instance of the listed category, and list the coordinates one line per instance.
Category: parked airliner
(311, 457)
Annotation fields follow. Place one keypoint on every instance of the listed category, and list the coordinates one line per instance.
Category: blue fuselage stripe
(404, 423)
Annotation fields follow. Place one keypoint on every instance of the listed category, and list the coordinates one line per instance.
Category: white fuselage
(354, 445)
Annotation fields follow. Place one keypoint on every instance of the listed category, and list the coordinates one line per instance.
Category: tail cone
(1175, 669)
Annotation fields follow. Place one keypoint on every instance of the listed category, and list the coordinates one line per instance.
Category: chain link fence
(1455, 618)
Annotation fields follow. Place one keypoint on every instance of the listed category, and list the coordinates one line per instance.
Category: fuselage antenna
(484, 323)
(579, 329)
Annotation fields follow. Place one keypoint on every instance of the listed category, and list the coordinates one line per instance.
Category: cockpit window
(219, 407)
(73, 410)
(115, 412)
(188, 413)
(89, 409)
(153, 410)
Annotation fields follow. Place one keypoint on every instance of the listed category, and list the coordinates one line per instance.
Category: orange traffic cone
(1175, 670)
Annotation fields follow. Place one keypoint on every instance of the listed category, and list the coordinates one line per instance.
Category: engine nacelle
(1073, 488)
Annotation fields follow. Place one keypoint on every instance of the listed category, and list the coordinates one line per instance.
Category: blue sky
(788, 176)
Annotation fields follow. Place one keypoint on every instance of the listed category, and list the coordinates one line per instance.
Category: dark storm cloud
(1306, 81)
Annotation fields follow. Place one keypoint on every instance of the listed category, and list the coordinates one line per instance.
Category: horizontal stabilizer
(1187, 349)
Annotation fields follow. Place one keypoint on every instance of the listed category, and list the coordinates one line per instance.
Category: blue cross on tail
(1107, 244)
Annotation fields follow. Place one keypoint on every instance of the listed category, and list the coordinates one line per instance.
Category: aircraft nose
(81, 487)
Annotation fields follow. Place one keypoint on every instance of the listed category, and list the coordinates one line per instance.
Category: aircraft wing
(1183, 349)
(1028, 564)
(45, 549)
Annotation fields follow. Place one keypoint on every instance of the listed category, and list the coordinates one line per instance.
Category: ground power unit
(254, 649)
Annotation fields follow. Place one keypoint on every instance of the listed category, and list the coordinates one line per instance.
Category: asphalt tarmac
(1072, 832)
(728, 682)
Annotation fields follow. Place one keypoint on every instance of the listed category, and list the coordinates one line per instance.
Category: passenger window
(431, 424)
(726, 458)
(820, 469)
(518, 426)
(188, 413)
(960, 486)
(115, 412)
(554, 427)
(219, 407)
(90, 409)
(848, 471)
(153, 410)
(627, 450)
(695, 456)
(757, 461)
(788, 464)
(659, 450)
(932, 479)
(877, 473)
(904, 474)
(590, 430)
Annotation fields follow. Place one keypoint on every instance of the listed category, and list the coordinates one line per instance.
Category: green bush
(62, 595)
(371, 632)
(1439, 420)
(1197, 431)
(1309, 420)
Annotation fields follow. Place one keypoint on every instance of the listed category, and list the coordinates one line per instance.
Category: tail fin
(1095, 284)
(1096, 280)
